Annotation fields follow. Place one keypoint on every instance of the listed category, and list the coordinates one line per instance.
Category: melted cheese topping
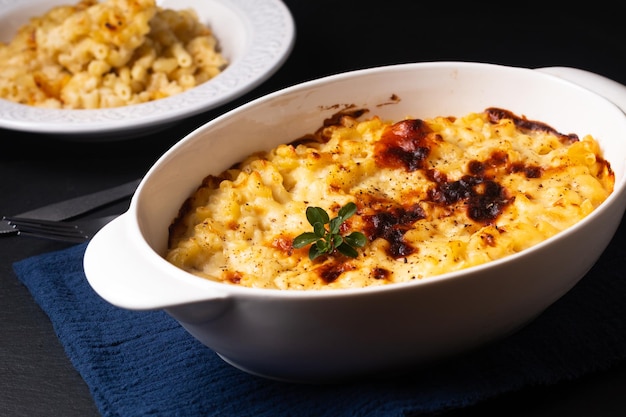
(433, 196)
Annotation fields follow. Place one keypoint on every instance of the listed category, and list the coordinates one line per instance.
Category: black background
(37, 379)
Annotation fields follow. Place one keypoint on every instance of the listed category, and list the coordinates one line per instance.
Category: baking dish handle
(609, 89)
(129, 274)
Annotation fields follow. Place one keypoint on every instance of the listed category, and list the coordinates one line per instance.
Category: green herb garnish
(325, 240)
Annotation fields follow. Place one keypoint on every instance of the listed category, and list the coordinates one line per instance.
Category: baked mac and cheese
(100, 55)
(432, 196)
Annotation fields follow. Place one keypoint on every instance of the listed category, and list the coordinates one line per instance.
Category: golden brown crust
(432, 196)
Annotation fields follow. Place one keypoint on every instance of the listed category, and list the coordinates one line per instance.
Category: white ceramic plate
(256, 36)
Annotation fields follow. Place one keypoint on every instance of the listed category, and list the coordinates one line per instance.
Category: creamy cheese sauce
(433, 196)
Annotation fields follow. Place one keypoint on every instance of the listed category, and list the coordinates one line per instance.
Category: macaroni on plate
(433, 196)
(100, 55)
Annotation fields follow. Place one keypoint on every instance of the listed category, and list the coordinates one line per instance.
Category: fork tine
(75, 232)
(24, 222)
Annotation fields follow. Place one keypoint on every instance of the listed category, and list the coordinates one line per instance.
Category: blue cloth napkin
(145, 364)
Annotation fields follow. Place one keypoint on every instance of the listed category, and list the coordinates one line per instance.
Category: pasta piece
(115, 53)
(477, 191)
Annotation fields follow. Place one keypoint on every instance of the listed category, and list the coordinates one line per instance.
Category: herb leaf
(357, 239)
(305, 239)
(316, 215)
(347, 250)
(347, 211)
(327, 240)
(335, 224)
(319, 230)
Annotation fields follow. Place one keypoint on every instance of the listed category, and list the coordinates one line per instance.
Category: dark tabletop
(37, 379)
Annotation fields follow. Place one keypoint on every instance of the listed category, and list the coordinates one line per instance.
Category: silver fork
(74, 207)
(71, 231)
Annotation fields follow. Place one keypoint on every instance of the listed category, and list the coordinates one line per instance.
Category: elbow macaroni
(433, 196)
(115, 53)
